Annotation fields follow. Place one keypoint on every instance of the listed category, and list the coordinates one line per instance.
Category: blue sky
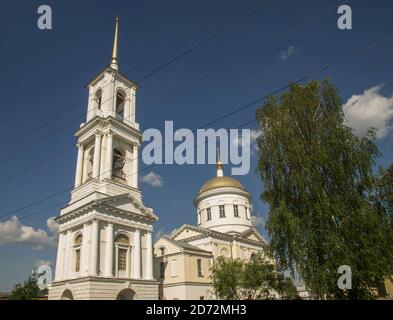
(234, 61)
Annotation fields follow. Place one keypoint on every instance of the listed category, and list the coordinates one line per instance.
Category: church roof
(243, 237)
(184, 245)
(221, 182)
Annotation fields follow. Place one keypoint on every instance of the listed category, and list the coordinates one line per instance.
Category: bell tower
(105, 232)
(108, 142)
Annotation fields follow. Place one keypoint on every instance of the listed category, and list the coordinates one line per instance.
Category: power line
(142, 79)
(327, 67)
(178, 57)
(64, 203)
(145, 107)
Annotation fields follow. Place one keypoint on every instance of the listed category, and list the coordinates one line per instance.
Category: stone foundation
(94, 288)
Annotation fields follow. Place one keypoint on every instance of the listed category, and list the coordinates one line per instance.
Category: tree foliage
(319, 184)
(26, 291)
(249, 280)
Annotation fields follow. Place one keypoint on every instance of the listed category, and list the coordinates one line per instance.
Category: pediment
(253, 234)
(186, 232)
(128, 203)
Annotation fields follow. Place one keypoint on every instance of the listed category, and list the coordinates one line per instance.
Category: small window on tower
(122, 243)
(89, 164)
(222, 211)
(77, 260)
(118, 164)
(122, 259)
(120, 99)
(98, 99)
(77, 250)
(162, 269)
(199, 267)
(236, 211)
(208, 214)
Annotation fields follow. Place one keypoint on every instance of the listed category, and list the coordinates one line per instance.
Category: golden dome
(221, 182)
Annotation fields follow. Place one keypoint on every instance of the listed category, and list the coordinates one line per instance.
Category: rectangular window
(245, 208)
(222, 211)
(122, 259)
(77, 260)
(236, 211)
(208, 214)
(199, 267)
(162, 269)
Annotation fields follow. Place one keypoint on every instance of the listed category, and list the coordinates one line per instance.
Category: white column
(97, 156)
(109, 251)
(59, 258)
(109, 155)
(132, 106)
(127, 110)
(94, 248)
(135, 166)
(137, 254)
(149, 256)
(85, 251)
(79, 165)
(67, 256)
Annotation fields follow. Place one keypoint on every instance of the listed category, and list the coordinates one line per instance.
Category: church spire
(220, 171)
(114, 63)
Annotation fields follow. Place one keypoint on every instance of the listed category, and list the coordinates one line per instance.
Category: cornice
(219, 192)
(97, 204)
(107, 122)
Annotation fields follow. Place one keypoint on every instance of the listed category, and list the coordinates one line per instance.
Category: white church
(105, 248)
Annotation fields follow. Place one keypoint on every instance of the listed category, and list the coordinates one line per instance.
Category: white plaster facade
(105, 233)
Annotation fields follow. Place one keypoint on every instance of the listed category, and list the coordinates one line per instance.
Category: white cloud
(258, 221)
(153, 179)
(370, 109)
(288, 52)
(53, 226)
(12, 231)
(41, 262)
(254, 134)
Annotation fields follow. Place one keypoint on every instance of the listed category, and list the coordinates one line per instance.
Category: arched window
(98, 99)
(122, 243)
(118, 164)
(126, 294)
(122, 239)
(67, 295)
(77, 251)
(120, 101)
(89, 163)
(247, 213)
(162, 251)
